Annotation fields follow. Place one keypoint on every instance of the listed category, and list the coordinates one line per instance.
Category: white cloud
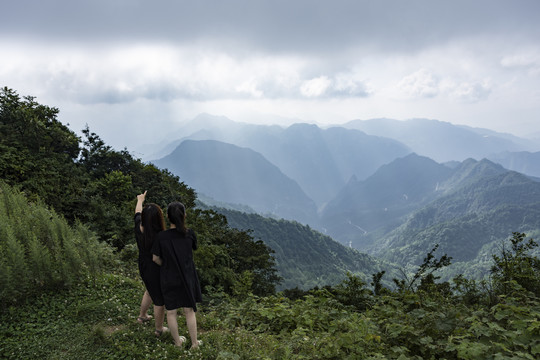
(472, 92)
(421, 83)
(346, 84)
(340, 85)
(527, 59)
(315, 87)
(249, 87)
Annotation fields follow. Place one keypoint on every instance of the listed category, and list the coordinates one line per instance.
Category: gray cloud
(273, 25)
(475, 61)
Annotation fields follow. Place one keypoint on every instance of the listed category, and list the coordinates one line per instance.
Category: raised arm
(140, 201)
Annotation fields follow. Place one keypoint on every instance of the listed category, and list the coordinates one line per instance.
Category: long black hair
(152, 222)
(176, 212)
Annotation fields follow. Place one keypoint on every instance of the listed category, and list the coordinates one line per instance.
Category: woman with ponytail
(173, 251)
(148, 223)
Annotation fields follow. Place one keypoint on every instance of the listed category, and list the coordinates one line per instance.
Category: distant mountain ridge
(321, 161)
(522, 161)
(443, 141)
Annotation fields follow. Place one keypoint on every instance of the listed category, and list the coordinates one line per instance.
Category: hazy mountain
(321, 161)
(304, 257)
(202, 127)
(302, 153)
(238, 175)
(380, 201)
(443, 141)
(482, 203)
(524, 162)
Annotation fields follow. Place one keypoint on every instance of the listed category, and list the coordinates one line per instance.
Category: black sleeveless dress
(179, 281)
(148, 269)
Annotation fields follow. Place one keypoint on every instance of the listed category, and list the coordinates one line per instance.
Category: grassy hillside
(97, 320)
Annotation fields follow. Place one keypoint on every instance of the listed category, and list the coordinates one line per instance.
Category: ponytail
(176, 211)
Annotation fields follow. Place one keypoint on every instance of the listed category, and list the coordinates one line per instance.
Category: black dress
(179, 281)
(148, 269)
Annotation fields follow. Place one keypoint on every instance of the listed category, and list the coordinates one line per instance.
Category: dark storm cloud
(273, 25)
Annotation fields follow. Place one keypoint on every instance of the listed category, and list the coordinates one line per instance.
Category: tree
(37, 152)
(226, 255)
(425, 274)
(515, 265)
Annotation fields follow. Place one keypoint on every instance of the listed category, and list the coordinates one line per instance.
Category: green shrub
(39, 250)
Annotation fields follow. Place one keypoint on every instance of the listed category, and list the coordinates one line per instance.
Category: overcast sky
(133, 69)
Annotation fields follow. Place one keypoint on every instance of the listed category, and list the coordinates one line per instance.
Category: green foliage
(90, 182)
(304, 257)
(37, 152)
(226, 256)
(352, 292)
(96, 319)
(517, 265)
(114, 178)
(39, 250)
(425, 275)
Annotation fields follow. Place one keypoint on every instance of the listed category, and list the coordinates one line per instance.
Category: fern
(39, 250)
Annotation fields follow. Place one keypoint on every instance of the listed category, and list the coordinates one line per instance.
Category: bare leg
(159, 313)
(145, 305)
(191, 321)
(173, 327)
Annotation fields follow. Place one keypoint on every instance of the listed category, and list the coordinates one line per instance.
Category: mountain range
(321, 161)
(442, 141)
(390, 188)
(461, 209)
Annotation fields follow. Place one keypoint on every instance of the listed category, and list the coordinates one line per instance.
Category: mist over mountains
(442, 141)
(239, 176)
(390, 188)
(321, 161)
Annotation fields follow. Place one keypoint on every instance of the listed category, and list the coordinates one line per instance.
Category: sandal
(158, 333)
(142, 320)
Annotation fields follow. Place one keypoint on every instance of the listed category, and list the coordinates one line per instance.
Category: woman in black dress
(148, 223)
(173, 251)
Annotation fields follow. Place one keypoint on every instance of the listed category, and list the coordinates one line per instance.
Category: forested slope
(304, 257)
